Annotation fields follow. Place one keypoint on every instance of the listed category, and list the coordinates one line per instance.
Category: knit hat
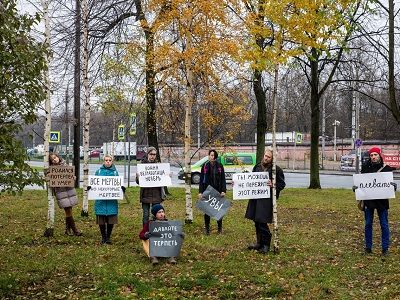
(375, 149)
(151, 148)
(156, 208)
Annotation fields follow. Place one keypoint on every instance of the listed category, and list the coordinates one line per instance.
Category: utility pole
(335, 124)
(323, 133)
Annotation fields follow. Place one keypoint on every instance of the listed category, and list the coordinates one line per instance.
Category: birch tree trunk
(50, 199)
(86, 123)
(274, 202)
(187, 140)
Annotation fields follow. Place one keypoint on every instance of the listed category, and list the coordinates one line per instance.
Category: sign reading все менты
(61, 176)
(154, 175)
(372, 186)
(166, 238)
(251, 185)
(105, 187)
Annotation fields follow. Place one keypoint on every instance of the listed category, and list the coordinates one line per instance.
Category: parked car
(348, 161)
(232, 162)
(95, 153)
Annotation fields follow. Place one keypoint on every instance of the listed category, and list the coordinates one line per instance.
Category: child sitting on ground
(159, 215)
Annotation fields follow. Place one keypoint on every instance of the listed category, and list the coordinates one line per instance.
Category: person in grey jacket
(66, 198)
(150, 196)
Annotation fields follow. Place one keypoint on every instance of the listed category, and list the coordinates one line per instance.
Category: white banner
(105, 187)
(153, 175)
(250, 185)
(374, 186)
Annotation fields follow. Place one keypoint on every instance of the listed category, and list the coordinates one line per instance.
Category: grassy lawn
(321, 254)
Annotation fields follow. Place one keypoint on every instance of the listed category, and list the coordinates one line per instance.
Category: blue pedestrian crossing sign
(55, 137)
(299, 138)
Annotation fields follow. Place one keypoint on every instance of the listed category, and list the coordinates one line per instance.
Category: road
(294, 179)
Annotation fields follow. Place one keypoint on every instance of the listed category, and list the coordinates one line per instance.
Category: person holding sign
(373, 165)
(150, 195)
(158, 216)
(260, 210)
(66, 198)
(212, 173)
(106, 210)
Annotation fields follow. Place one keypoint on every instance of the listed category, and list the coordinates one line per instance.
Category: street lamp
(335, 124)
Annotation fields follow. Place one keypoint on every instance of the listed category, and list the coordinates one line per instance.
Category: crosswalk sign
(299, 138)
(132, 130)
(55, 137)
(121, 132)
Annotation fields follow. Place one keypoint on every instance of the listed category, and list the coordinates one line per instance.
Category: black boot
(109, 231)
(257, 245)
(219, 226)
(103, 233)
(206, 224)
(265, 243)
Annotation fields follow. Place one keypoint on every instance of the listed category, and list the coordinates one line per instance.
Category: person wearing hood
(106, 210)
(260, 210)
(150, 196)
(375, 164)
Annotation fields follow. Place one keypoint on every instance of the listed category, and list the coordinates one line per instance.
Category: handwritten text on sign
(61, 176)
(251, 185)
(166, 238)
(105, 187)
(374, 186)
(153, 175)
(213, 204)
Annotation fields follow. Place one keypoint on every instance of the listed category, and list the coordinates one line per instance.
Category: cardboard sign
(105, 187)
(61, 176)
(213, 204)
(251, 185)
(374, 186)
(166, 238)
(154, 175)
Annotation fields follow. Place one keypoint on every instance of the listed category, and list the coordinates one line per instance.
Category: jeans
(384, 222)
(146, 211)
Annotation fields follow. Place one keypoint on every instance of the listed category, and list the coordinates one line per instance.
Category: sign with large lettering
(105, 187)
(212, 204)
(372, 186)
(61, 176)
(392, 160)
(153, 175)
(251, 185)
(166, 238)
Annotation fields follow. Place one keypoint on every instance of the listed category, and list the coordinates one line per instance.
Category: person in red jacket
(159, 215)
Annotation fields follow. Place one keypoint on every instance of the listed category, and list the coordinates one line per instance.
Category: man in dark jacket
(260, 210)
(150, 195)
(373, 165)
(212, 173)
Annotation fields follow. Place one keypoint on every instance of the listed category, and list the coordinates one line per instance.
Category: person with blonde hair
(260, 210)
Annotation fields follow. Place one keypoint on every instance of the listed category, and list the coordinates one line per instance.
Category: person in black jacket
(260, 210)
(373, 165)
(212, 173)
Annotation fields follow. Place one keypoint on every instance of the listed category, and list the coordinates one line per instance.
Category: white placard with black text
(105, 187)
(250, 185)
(154, 175)
(372, 186)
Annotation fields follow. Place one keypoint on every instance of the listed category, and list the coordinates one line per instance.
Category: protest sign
(61, 176)
(374, 186)
(166, 238)
(105, 187)
(251, 185)
(212, 204)
(154, 175)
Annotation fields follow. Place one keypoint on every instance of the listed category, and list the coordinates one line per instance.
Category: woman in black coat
(260, 210)
(212, 173)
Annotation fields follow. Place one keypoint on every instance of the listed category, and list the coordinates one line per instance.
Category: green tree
(22, 62)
